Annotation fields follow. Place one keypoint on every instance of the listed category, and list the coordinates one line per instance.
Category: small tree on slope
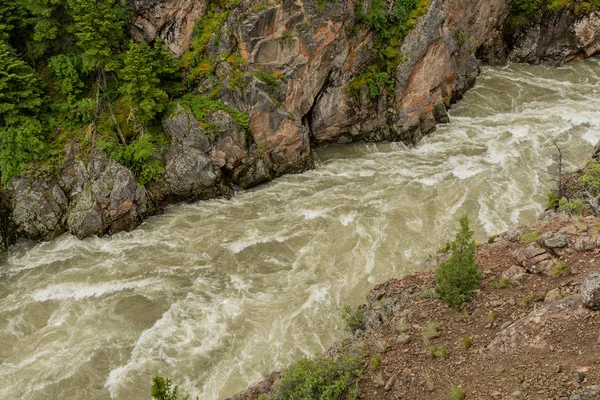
(590, 181)
(458, 277)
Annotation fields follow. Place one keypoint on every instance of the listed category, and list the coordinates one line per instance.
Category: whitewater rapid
(220, 293)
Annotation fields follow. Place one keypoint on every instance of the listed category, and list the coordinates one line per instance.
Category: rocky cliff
(274, 79)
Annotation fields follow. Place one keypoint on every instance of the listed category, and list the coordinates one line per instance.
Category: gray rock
(589, 393)
(590, 292)
(554, 241)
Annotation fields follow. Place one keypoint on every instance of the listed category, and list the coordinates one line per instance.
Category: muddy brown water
(219, 293)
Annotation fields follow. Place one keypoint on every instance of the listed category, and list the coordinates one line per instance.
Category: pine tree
(20, 103)
(99, 31)
(458, 277)
(20, 87)
(51, 27)
(142, 68)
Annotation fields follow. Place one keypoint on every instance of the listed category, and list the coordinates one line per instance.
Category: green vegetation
(524, 12)
(201, 105)
(552, 202)
(353, 318)
(437, 352)
(69, 72)
(431, 330)
(560, 270)
(530, 298)
(590, 181)
(573, 207)
(390, 23)
(320, 378)
(458, 277)
(467, 342)
(530, 237)
(375, 362)
(163, 389)
(500, 283)
(456, 393)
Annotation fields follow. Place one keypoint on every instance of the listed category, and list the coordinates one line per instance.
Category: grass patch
(431, 330)
(437, 352)
(456, 393)
(530, 298)
(200, 106)
(530, 237)
(467, 342)
(375, 362)
(500, 283)
(402, 325)
(560, 269)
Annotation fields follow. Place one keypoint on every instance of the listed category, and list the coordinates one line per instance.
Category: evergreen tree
(20, 102)
(142, 68)
(51, 27)
(20, 143)
(20, 87)
(67, 81)
(99, 31)
(458, 277)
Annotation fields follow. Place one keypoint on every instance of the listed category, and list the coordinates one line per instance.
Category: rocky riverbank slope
(530, 332)
(288, 76)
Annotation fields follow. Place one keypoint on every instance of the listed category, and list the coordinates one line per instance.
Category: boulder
(554, 241)
(590, 292)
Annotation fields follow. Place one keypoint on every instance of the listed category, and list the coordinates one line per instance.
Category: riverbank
(524, 335)
(293, 78)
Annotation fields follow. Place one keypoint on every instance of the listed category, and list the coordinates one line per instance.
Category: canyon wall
(281, 84)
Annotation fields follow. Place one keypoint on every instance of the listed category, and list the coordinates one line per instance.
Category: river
(219, 293)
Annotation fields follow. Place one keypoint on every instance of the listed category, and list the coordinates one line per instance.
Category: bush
(573, 207)
(552, 202)
(162, 389)
(353, 318)
(457, 278)
(321, 378)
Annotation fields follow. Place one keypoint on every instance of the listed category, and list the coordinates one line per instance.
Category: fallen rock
(590, 292)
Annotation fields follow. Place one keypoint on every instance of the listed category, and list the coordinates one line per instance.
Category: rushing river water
(219, 293)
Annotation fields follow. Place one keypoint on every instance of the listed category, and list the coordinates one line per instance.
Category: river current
(220, 293)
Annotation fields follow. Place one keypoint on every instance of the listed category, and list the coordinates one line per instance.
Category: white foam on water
(79, 291)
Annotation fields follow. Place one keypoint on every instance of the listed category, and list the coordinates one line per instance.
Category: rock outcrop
(280, 81)
(7, 234)
(555, 39)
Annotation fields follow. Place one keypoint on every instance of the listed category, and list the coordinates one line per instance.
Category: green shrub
(458, 277)
(162, 389)
(456, 393)
(552, 202)
(590, 181)
(353, 318)
(375, 362)
(141, 156)
(467, 342)
(573, 207)
(530, 237)
(321, 378)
